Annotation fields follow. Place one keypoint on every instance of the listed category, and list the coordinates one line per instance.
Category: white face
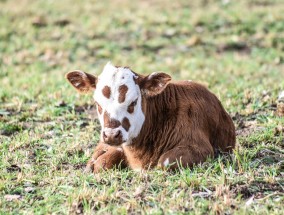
(119, 106)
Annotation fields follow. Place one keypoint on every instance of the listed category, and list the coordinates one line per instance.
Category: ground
(48, 131)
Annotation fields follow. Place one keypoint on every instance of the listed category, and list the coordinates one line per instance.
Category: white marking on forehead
(115, 75)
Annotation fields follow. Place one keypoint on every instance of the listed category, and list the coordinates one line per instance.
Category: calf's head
(118, 93)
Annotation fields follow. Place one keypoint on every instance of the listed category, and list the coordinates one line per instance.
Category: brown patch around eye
(130, 108)
(122, 93)
(106, 91)
(126, 124)
(100, 110)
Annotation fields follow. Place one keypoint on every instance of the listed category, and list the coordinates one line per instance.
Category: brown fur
(106, 157)
(106, 91)
(153, 84)
(81, 81)
(125, 123)
(122, 93)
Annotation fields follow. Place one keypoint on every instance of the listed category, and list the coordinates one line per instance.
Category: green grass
(48, 131)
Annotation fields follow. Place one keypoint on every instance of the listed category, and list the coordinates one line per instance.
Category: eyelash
(133, 103)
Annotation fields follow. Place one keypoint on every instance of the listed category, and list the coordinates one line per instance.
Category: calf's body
(184, 124)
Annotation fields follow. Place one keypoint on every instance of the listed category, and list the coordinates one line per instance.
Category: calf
(149, 121)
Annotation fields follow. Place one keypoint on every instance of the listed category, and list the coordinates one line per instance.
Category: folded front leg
(106, 157)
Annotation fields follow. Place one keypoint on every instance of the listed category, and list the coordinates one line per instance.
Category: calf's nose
(112, 137)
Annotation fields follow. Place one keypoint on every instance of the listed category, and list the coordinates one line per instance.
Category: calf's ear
(82, 81)
(154, 84)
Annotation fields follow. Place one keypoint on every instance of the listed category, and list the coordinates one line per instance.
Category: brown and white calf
(150, 121)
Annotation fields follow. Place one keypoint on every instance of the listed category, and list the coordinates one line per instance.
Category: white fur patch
(114, 77)
(119, 149)
(166, 162)
(152, 74)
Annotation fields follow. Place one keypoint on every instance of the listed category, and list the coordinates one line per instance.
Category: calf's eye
(133, 103)
(130, 108)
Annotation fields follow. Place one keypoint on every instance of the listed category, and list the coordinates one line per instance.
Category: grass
(48, 131)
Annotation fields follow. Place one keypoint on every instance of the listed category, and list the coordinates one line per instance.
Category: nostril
(117, 134)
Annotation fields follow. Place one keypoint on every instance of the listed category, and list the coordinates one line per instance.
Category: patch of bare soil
(11, 129)
(240, 47)
(62, 22)
(257, 188)
(246, 125)
(14, 168)
(89, 109)
(39, 22)
(270, 157)
(279, 130)
(261, 3)
(8, 112)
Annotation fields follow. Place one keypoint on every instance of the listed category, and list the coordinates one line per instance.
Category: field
(48, 130)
